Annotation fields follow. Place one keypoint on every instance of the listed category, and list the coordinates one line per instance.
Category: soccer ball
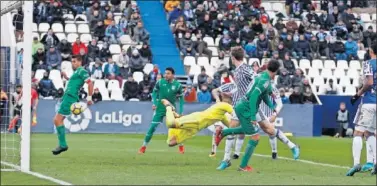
(77, 108)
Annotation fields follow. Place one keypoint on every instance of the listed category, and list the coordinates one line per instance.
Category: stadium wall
(135, 117)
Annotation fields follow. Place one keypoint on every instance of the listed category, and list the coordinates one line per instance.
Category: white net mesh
(7, 6)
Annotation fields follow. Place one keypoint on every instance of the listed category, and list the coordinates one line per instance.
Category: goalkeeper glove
(354, 99)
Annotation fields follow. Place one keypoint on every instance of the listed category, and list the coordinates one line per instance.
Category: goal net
(15, 84)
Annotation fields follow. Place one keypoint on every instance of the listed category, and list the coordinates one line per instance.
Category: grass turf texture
(113, 159)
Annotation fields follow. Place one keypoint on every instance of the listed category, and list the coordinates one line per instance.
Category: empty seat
(66, 65)
(342, 64)
(313, 72)
(374, 17)
(214, 50)
(58, 83)
(83, 29)
(114, 49)
(345, 81)
(117, 95)
(326, 73)
(148, 68)
(86, 38)
(210, 70)
(318, 81)
(61, 36)
(278, 7)
(117, 18)
(115, 57)
(35, 27)
(39, 74)
(209, 41)
(266, 5)
(100, 84)
(194, 70)
(125, 47)
(43, 27)
(125, 39)
(91, 64)
(68, 72)
(100, 45)
(318, 64)
(217, 41)
(36, 35)
(354, 74)
(57, 27)
(294, 62)
(203, 61)
(189, 61)
(82, 16)
(329, 64)
(339, 73)
(55, 75)
(361, 54)
(350, 90)
(138, 76)
(305, 64)
(68, 17)
(355, 64)
(70, 28)
(72, 37)
(113, 85)
(365, 17)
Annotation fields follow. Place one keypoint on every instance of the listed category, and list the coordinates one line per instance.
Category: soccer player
(185, 127)
(71, 96)
(247, 110)
(365, 119)
(166, 88)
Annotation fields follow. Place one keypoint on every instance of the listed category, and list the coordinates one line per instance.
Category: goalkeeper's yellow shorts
(181, 135)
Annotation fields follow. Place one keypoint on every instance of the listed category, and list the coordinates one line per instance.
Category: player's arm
(253, 99)
(368, 82)
(229, 110)
(181, 99)
(216, 94)
(85, 76)
(267, 100)
(155, 91)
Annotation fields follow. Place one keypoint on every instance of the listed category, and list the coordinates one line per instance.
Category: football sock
(370, 156)
(214, 147)
(274, 143)
(248, 152)
(371, 142)
(228, 147)
(61, 135)
(150, 132)
(357, 146)
(283, 138)
(239, 143)
(236, 130)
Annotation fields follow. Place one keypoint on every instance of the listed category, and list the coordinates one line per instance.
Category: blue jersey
(370, 69)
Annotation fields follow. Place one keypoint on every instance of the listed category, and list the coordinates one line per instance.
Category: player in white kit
(365, 119)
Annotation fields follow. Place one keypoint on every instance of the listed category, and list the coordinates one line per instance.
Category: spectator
(302, 48)
(96, 97)
(360, 45)
(218, 26)
(289, 65)
(140, 34)
(65, 49)
(282, 51)
(97, 69)
(296, 9)
(39, 60)
(145, 95)
(55, 14)
(327, 20)
(236, 43)
(187, 45)
(85, 58)
(132, 23)
(123, 24)
(210, 84)
(200, 14)
(53, 59)
(283, 97)
(351, 49)
(307, 93)
(369, 37)
(296, 97)
(190, 94)
(99, 31)
(146, 53)
(257, 27)
(323, 43)
(279, 25)
(291, 26)
(175, 14)
(113, 32)
(226, 78)
(170, 5)
(94, 19)
(20, 57)
(40, 12)
(50, 39)
(123, 64)
(331, 88)
(233, 33)
(297, 80)
(255, 66)
(18, 20)
(153, 75)
(356, 34)
(225, 43)
(204, 96)
(314, 48)
(247, 34)
(105, 53)
(131, 88)
(284, 34)
(146, 83)
(180, 28)
(284, 80)
(221, 61)
(340, 30)
(202, 77)
(342, 118)
(263, 46)
(251, 49)
(93, 50)
(347, 17)
(136, 62)
(111, 71)
(201, 46)
(77, 46)
(338, 50)
(109, 19)
(188, 12)
(46, 86)
(36, 45)
(205, 25)
(289, 45)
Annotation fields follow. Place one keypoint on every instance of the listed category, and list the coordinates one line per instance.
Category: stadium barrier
(135, 117)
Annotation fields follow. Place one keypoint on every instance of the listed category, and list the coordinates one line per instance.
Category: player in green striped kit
(166, 88)
(71, 95)
(247, 112)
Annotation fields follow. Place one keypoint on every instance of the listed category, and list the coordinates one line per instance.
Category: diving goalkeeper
(185, 127)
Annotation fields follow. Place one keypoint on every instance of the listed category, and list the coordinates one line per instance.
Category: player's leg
(371, 129)
(64, 110)
(238, 146)
(251, 145)
(274, 146)
(178, 136)
(229, 143)
(156, 120)
(368, 166)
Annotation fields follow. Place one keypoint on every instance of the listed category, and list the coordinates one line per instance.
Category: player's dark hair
(374, 47)
(273, 66)
(171, 70)
(238, 53)
(77, 57)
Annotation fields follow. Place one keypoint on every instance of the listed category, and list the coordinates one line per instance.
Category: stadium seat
(55, 75)
(91, 64)
(326, 73)
(68, 72)
(113, 85)
(305, 64)
(68, 17)
(278, 7)
(83, 29)
(294, 62)
(116, 19)
(345, 81)
(100, 45)
(374, 17)
(203, 61)
(313, 72)
(58, 83)
(266, 5)
(57, 27)
(214, 50)
(138, 76)
(43, 34)
(354, 74)
(66, 65)
(350, 90)
(86, 38)
(125, 47)
(139, 46)
(100, 84)
(39, 74)
(70, 28)
(194, 70)
(271, 14)
(35, 34)
(114, 49)
(365, 17)
(264, 61)
(355, 64)
(117, 95)
(43, 27)
(35, 27)
(115, 57)
(20, 45)
(209, 41)
(329, 64)
(355, 81)
(103, 66)
(82, 16)
(72, 37)
(217, 41)
(252, 60)
(318, 81)
(318, 64)
(148, 68)
(210, 70)
(342, 64)
(189, 61)
(61, 36)
(125, 39)
(361, 54)
(339, 73)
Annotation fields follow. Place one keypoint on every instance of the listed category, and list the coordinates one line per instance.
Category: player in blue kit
(365, 119)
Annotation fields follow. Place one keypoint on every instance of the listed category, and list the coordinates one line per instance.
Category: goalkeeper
(186, 127)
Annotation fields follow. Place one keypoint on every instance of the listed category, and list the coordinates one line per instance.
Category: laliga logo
(76, 123)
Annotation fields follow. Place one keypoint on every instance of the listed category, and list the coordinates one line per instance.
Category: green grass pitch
(107, 159)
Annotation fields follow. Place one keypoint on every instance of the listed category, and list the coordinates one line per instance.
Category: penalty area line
(36, 174)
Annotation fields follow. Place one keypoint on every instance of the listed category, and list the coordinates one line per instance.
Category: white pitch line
(36, 174)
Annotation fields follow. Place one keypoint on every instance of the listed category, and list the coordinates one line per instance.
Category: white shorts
(365, 119)
(212, 128)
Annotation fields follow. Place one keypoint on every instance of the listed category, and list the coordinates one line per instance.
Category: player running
(365, 119)
(166, 88)
(247, 110)
(71, 96)
(186, 127)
